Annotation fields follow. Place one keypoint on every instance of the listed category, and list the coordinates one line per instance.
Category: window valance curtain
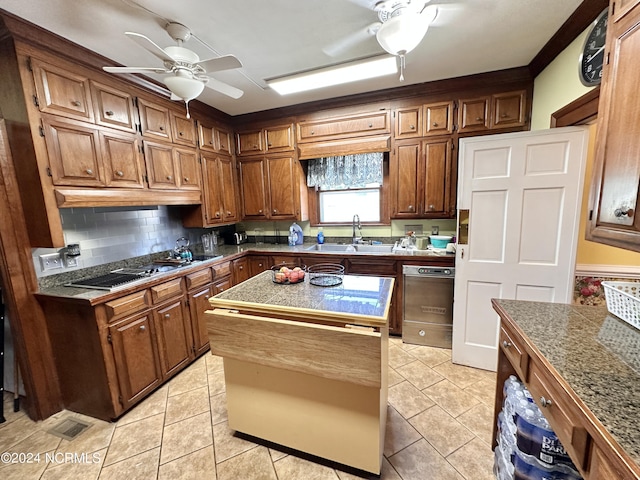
(345, 171)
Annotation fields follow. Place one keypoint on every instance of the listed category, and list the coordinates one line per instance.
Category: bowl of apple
(288, 274)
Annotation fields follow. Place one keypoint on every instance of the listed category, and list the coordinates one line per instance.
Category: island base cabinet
(339, 421)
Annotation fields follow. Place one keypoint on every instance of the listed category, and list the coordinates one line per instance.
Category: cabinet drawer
(196, 279)
(221, 269)
(352, 126)
(127, 305)
(563, 415)
(368, 266)
(515, 352)
(167, 290)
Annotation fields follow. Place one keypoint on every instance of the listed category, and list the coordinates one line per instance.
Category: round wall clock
(592, 56)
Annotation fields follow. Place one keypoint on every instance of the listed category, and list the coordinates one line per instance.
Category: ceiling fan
(187, 74)
(401, 27)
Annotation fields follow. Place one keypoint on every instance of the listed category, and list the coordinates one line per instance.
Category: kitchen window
(343, 186)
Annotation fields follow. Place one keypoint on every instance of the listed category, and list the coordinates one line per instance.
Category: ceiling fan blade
(345, 44)
(148, 45)
(134, 70)
(224, 88)
(226, 62)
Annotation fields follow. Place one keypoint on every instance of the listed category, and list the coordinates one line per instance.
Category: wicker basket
(288, 277)
(623, 301)
(326, 274)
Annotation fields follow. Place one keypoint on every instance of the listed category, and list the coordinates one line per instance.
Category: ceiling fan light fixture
(334, 75)
(402, 33)
(184, 87)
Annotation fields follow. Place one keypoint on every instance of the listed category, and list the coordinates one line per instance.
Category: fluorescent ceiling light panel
(335, 75)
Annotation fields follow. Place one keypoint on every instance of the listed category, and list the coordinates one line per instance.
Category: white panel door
(523, 192)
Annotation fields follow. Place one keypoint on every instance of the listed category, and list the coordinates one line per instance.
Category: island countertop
(597, 354)
(363, 300)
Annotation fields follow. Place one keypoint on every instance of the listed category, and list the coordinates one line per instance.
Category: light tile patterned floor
(439, 428)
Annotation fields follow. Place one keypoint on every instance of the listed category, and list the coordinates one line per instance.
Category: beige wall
(555, 87)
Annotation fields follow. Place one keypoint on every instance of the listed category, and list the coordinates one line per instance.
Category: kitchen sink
(348, 248)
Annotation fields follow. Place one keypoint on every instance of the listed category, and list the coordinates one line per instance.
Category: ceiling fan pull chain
(187, 105)
(402, 66)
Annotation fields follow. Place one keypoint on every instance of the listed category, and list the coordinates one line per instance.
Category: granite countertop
(596, 353)
(54, 285)
(357, 298)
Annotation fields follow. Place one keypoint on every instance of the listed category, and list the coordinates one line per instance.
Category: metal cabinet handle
(180, 133)
(120, 173)
(161, 128)
(210, 142)
(479, 119)
(412, 127)
(76, 103)
(89, 171)
(545, 402)
(142, 328)
(505, 344)
(504, 115)
(109, 113)
(370, 125)
(240, 267)
(206, 296)
(186, 179)
(229, 213)
(422, 333)
(259, 211)
(435, 124)
(313, 132)
(619, 212)
(217, 214)
(166, 315)
(169, 177)
(275, 210)
(411, 207)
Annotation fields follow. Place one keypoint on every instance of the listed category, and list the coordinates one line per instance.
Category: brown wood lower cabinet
(198, 304)
(173, 336)
(135, 357)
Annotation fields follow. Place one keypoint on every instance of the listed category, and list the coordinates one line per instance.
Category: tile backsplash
(112, 234)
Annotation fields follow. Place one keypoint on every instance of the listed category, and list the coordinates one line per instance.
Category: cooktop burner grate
(108, 281)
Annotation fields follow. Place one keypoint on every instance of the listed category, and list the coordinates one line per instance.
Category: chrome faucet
(354, 238)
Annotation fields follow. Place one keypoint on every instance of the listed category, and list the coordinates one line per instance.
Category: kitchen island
(582, 368)
(306, 366)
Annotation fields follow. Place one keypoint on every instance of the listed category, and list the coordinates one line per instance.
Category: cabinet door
(438, 118)
(249, 142)
(258, 265)
(240, 269)
(283, 186)
(279, 139)
(206, 137)
(154, 120)
(358, 125)
(408, 122)
(622, 8)
(62, 92)
(253, 177)
(213, 194)
(135, 358)
(122, 160)
(173, 337)
(616, 176)
(223, 140)
(405, 180)
(183, 129)
(161, 169)
(113, 107)
(228, 189)
(473, 115)
(74, 152)
(508, 109)
(198, 304)
(436, 171)
(222, 284)
(187, 164)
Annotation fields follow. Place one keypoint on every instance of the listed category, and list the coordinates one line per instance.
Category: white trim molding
(615, 271)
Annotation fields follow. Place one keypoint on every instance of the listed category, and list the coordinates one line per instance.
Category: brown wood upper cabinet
(270, 188)
(183, 129)
(503, 110)
(171, 167)
(422, 179)
(220, 194)
(214, 138)
(113, 107)
(424, 120)
(155, 122)
(275, 138)
(61, 92)
(348, 126)
(614, 194)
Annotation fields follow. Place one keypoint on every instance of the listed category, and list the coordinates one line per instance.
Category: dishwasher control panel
(416, 270)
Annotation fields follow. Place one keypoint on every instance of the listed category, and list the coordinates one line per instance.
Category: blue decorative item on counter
(320, 236)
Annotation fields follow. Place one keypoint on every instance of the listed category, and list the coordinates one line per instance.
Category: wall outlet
(50, 261)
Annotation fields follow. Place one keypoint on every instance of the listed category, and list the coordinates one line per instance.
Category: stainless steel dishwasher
(428, 305)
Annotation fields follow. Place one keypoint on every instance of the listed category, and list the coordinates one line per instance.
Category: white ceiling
(273, 38)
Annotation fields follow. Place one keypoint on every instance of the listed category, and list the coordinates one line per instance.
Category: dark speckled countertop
(596, 353)
(357, 298)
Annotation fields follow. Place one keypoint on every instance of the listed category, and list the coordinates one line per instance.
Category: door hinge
(29, 65)
(120, 400)
(109, 339)
(141, 148)
(590, 215)
(146, 179)
(41, 130)
(607, 62)
(49, 172)
(453, 146)
(36, 102)
(455, 127)
(193, 349)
